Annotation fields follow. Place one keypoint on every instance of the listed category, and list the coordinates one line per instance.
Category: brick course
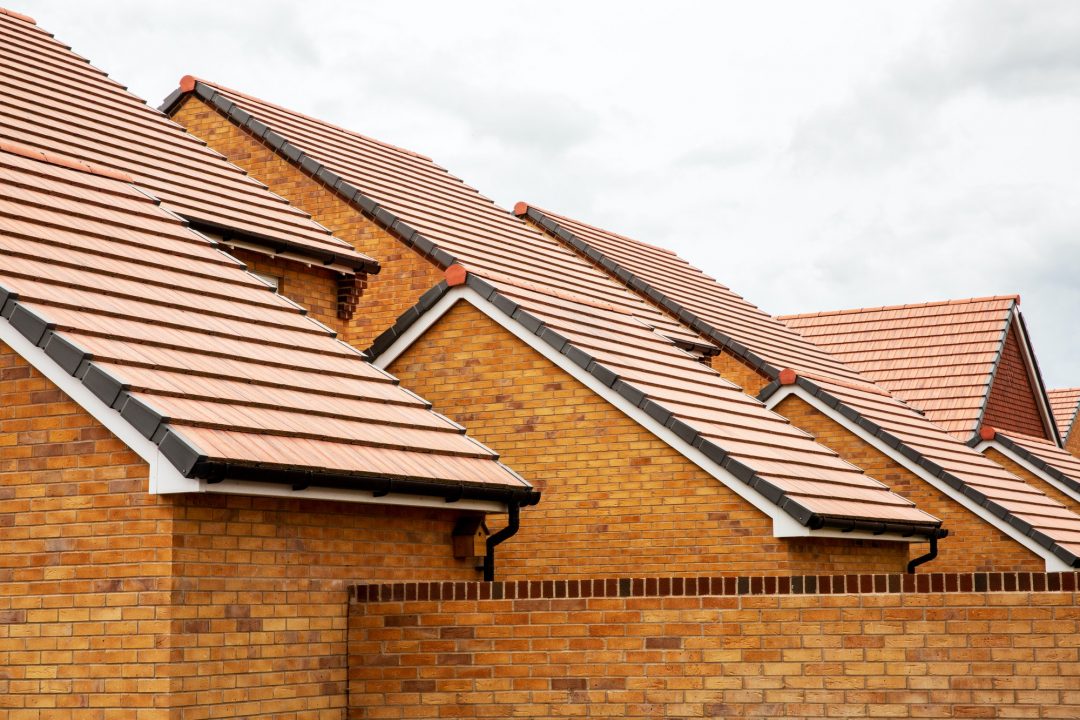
(931, 646)
(617, 500)
(115, 603)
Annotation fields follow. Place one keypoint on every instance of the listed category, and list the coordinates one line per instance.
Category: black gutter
(561, 344)
(192, 463)
(313, 167)
(705, 329)
(514, 524)
(1014, 447)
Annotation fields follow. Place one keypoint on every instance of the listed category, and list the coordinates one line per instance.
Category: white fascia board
(165, 479)
(784, 526)
(1026, 464)
(1053, 562)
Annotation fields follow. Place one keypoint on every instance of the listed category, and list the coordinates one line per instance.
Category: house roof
(766, 344)
(1064, 402)
(571, 305)
(229, 379)
(57, 102)
(1058, 463)
(940, 357)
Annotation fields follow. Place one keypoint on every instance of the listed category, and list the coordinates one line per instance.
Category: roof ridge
(53, 158)
(906, 306)
(188, 83)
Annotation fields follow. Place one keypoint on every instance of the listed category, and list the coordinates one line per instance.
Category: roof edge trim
(1071, 486)
(307, 164)
(18, 16)
(682, 437)
(930, 471)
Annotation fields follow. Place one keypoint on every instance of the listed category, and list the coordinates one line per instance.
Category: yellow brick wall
(115, 603)
(315, 288)
(855, 655)
(1032, 479)
(405, 274)
(617, 501)
(734, 370)
(972, 543)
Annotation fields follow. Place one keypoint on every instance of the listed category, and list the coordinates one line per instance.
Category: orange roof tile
(711, 309)
(940, 357)
(225, 375)
(1064, 402)
(574, 307)
(56, 102)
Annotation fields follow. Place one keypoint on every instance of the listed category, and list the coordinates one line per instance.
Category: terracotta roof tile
(596, 316)
(922, 351)
(211, 356)
(1064, 402)
(55, 102)
(727, 319)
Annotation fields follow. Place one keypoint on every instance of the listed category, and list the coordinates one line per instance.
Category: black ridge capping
(561, 344)
(370, 207)
(192, 463)
(702, 327)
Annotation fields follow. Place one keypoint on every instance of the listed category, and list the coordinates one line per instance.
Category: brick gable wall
(1012, 406)
(404, 276)
(115, 603)
(617, 501)
(972, 544)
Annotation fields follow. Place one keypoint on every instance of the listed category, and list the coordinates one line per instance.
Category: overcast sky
(811, 155)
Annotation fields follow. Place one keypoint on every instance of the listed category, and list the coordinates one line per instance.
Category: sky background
(811, 155)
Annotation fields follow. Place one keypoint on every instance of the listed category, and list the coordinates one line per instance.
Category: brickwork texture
(941, 646)
(115, 603)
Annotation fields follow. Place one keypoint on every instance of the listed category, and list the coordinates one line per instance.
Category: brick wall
(314, 288)
(734, 370)
(404, 276)
(1073, 443)
(930, 646)
(1011, 405)
(617, 501)
(118, 604)
(973, 544)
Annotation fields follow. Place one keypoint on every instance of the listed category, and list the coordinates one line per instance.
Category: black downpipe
(514, 511)
(923, 558)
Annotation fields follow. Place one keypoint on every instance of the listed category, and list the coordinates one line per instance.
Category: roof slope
(1064, 402)
(571, 304)
(940, 357)
(420, 201)
(765, 343)
(228, 378)
(1056, 462)
(53, 100)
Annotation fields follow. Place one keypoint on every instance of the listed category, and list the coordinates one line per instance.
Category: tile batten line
(318, 171)
(632, 401)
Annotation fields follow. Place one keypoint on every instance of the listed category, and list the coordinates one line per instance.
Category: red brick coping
(696, 586)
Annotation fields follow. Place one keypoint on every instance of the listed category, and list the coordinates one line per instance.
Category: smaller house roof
(228, 378)
(1064, 402)
(940, 356)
